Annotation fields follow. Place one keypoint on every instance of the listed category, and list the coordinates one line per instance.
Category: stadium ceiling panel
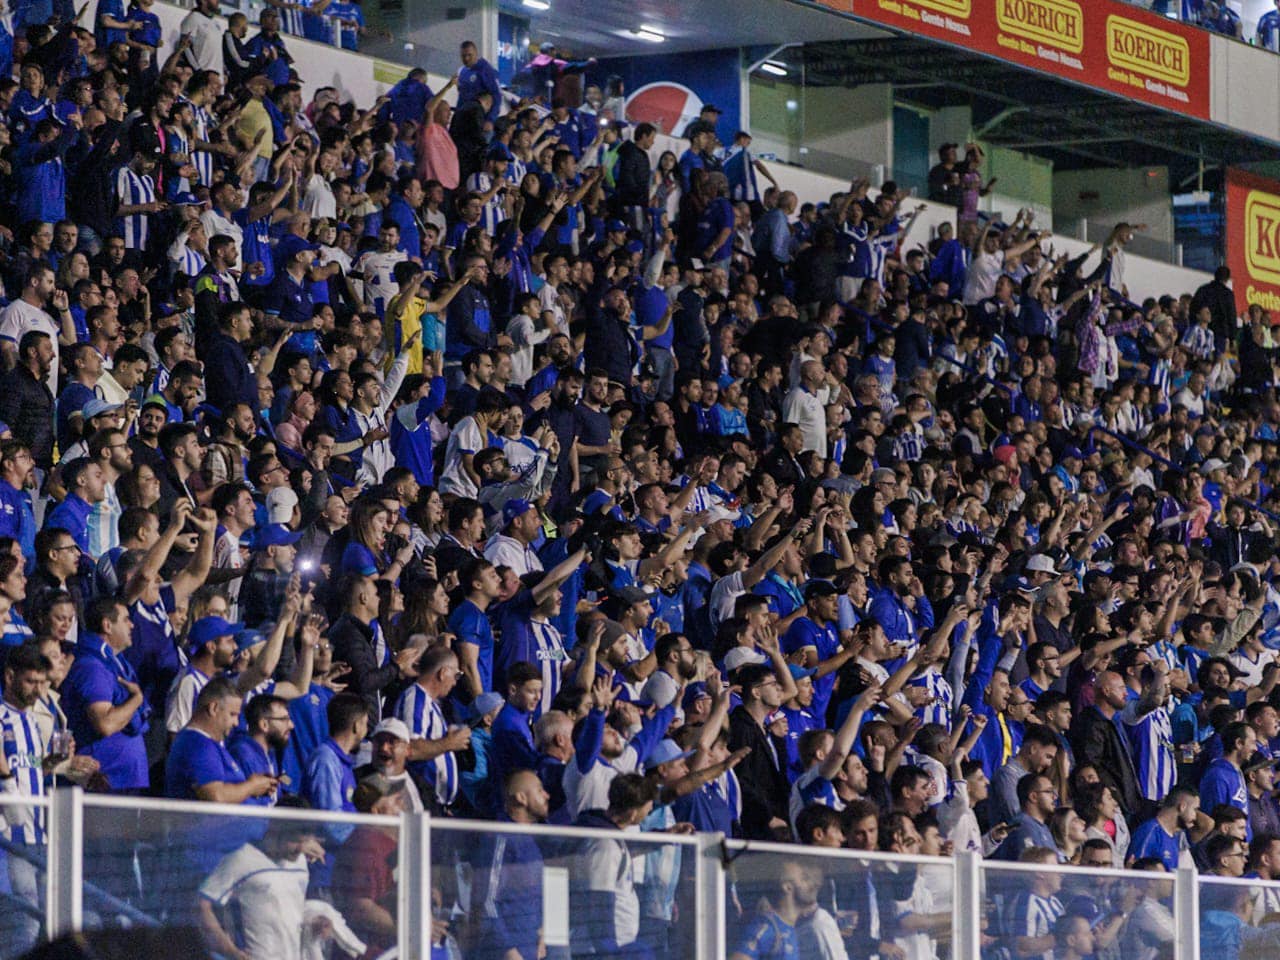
(1072, 125)
(605, 28)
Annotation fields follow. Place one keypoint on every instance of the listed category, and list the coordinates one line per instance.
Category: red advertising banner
(1253, 239)
(1100, 43)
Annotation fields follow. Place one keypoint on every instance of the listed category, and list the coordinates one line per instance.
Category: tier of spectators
(475, 459)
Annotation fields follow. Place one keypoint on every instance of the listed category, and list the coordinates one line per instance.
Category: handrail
(27, 852)
(160, 805)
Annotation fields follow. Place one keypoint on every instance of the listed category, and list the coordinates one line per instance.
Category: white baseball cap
(395, 727)
(280, 504)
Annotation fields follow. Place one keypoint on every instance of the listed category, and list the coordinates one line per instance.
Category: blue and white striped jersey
(133, 189)
(425, 720)
(494, 212)
(1151, 743)
(24, 750)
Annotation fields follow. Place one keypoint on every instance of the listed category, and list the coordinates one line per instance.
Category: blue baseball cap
(635, 246)
(291, 245)
(187, 199)
(498, 151)
(97, 407)
(486, 703)
(693, 693)
(665, 752)
(211, 628)
(799, 673)
(1072, 452)
(275, 535)
(247, 639)
(615, 226)
(513, 509)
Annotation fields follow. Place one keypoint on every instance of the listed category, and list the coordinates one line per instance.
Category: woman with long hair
(426, 612)
(1104, 820)
(666, 185)
(427, 514)
(140, 487)
(55, 616)
(366, 548)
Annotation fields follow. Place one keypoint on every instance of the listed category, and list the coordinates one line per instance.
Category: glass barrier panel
(23, 857)
(288, 884)
(1038, 910)
(561, 894)
(825, 903)
(1238, 918)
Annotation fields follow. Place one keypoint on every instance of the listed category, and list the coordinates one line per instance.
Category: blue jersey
(530, 641)
(1150, 840)
(132, 190)
(799, 722)
(471, 626)
(252, 758)
(823, 637)
(195, 760)
(769, 937)
(740, 169)
(24, 751)
(1223, 783)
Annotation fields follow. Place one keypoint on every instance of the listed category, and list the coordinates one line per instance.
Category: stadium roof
(1073, 125)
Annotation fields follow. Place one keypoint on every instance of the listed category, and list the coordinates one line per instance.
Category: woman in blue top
(365, 551)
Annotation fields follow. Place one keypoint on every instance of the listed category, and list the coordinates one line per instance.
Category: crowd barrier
(396, 886)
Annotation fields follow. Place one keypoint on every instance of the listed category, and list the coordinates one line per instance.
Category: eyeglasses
(66, 546)
(284, 719)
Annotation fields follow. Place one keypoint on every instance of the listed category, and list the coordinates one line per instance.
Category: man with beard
(676, 667)
(263, 590)
(145, 443)
(227, 453)
(561, 414)
(559, 349)
(390, 740)
(901, 606)
(181, 394)
(258, 747)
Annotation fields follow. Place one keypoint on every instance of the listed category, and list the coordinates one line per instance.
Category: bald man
(509, 875)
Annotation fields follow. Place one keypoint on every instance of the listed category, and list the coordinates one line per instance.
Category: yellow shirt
(397, 332)
(254, 117)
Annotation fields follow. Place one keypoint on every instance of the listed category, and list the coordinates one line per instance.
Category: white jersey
(265, 899)
(181, 702)
(380, 284)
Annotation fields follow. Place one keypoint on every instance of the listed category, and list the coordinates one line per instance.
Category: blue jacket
(411, 437)
(17, 519)
(72, 515)
(473, 81)
(227, 375)
(513, 747)
(900, 624)
(508, 892)
(42, 177)
(469, 323)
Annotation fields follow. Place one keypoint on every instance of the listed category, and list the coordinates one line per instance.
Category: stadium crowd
(472, 459)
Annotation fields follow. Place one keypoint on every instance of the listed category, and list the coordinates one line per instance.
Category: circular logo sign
(668, 106)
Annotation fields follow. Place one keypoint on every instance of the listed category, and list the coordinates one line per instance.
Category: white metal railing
(430, 851)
